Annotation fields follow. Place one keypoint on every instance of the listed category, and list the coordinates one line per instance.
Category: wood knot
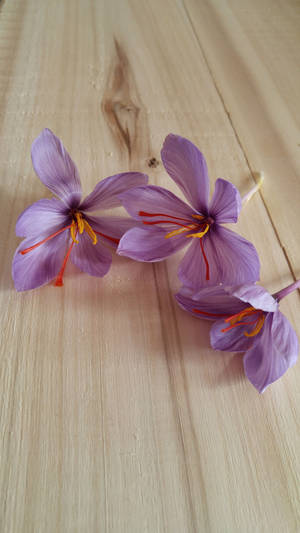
(153, 163)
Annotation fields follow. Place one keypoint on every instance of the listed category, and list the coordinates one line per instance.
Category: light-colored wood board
(116, 416)
(252, 49)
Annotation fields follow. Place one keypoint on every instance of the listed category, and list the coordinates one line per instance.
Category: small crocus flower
(247, 319)
(57, 230)
(216, 254)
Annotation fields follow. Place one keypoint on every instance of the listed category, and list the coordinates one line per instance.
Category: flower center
(201, 226)
(240, 319)
(80, 224)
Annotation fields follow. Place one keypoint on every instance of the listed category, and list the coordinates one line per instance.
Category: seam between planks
(222, 100)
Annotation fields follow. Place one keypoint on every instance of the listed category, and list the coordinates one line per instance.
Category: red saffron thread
(59, 279)
(144, 214)
(208, 314)
(113, 239)
(205, 259)
(251, 312)
(238, 324)
(23, 252)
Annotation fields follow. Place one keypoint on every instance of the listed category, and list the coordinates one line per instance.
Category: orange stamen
(247, 311)
(259, 324)
(26, 250)
(205, 259)
(200, 234)
(59, 279)
(238, 324)
(236, 320)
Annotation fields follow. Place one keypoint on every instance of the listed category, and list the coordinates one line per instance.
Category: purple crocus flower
(248, 320)
(56, 230)
(216, 254)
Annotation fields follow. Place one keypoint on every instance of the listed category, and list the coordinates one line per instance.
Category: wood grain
(252, 53)
(116, 416)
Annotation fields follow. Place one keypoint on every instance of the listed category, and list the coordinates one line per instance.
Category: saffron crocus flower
(216, 254)
(247, 319)
(57, 230)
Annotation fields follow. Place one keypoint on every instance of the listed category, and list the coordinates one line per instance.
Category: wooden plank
(116, 415)
(253, 54)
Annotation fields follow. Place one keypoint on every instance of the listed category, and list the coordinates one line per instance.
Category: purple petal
(55, 168)
(111, 228)
(46, 215)
(41, 265)
(273, 354)
(187, 167)
(94, 259)
(254, 295)
(210, 304)
(232, 260)
(149, 244)
(232, 340)
(106, 193)
(153, 199)
(226, 202)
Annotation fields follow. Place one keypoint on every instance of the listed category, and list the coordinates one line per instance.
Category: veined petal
(187, 167)
(94, 259)
(44, 215)
(106, 193)
(55, 168)
(232, 260)
(212, 303)
(111, 228)
(153, 199)
(232, 340)
(226, 202)
(275, 352)
(255, 295)
(149, 245)
(41, 265)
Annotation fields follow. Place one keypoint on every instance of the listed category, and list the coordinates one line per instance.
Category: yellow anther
(238, 317)
(176, 232)
(257, 328)
(200, 234)
(199, 217)
(90, 231)
(80, 222)
(73, 231)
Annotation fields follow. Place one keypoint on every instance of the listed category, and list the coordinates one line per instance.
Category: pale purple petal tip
(226, 202)
(275, 352)
(187, 167)
(255, 295)
(212, 303)
(55, 168)
(106, 193)
(149, 245)
(153, 199)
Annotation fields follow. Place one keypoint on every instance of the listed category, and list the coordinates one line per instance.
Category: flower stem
(257, 186)
(287, 290)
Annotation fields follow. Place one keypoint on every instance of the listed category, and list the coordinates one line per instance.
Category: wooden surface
(116, 416)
